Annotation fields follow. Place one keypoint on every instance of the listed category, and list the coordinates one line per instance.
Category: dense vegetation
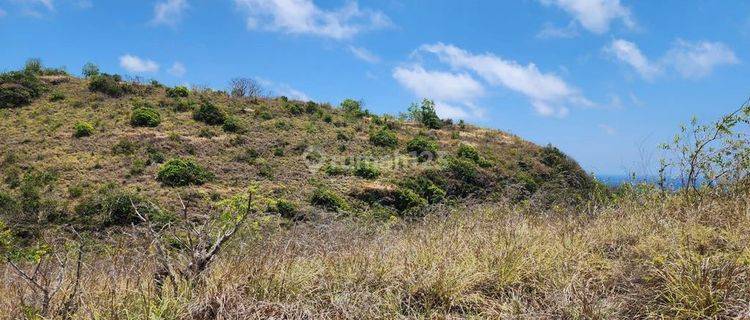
(122, 199)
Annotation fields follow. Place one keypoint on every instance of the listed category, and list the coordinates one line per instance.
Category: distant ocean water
(617, 180)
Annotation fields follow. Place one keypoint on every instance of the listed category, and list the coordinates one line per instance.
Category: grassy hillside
(75, 150)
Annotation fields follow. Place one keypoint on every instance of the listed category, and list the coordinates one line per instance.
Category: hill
(78, 150)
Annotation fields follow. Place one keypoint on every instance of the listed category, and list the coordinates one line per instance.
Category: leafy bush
(232, 124)
(178, 92)
(311, 107)
(294, 108)
(384, 138)
(423, 148)
(326, 198)
(82, 129)
(182, 172)
(425, 114)
(406, 199)
(366, 170)
(56, 96)
(114, 206)
(210, 114)
(352, 107)
(145, 116)
(108, 84)
(425, 188)
(178, 104)
(334, 170)
(468, 152)
(286, 209)
(463, 169)
(90, 70)
(19, 89)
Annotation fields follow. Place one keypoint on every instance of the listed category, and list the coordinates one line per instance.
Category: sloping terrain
(81, 140)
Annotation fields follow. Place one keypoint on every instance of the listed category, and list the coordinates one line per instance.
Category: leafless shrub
(245, 88)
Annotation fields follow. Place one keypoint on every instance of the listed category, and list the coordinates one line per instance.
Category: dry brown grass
(645, 257)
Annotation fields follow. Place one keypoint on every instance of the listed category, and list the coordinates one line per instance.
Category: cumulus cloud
(595, 15)
(135, 64)
(549, 94)
(304, 17)
(177, 69)
(169, 12)
(454, 93)
(696, 60)
(438, 85)
(629, 53)
(692, 60)
(364, 54)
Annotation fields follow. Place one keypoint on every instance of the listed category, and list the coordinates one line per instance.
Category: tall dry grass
(645, 256)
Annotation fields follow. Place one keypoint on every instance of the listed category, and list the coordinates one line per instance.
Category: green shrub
(90, 70)
(425, 114)
(210, 114)
(334, 170)
(406, 199)
(352, 107)
(327, 118)
(178, 104)
(468, 152)
(423, 148)
(366, 170)
(278, 151)
(108, 84)
(178, 92)
(328, 199)
(286, 209)
(311, 107)
(425, 188)
(295, 108)
(19, 89)
(463, 169)
(114, 207)
(232, 124)
(182, 172)
(145, 117)
(56, 96)
(384, 138)
(82, 129)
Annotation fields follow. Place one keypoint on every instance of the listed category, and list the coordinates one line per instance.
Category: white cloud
(696, 60)
(607, 129)
(438, 85)
(304, 17)
(551, 31)
(629, 53)
(691, 60)
(169, 12)
(177, 69)
(595, 15)
(548, 93)
(453, 93)
(364, 54)
(135, 64)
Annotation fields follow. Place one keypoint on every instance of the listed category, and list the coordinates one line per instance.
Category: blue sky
(604, 80)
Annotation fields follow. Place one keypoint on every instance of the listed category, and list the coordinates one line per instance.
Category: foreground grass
(643, 257)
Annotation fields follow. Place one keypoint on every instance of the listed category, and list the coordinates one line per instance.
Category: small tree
(424, 114)
(89, 70)
(245, 88)
(710, 156)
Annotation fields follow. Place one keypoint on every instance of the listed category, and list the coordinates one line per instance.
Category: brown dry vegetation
(646, 256)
